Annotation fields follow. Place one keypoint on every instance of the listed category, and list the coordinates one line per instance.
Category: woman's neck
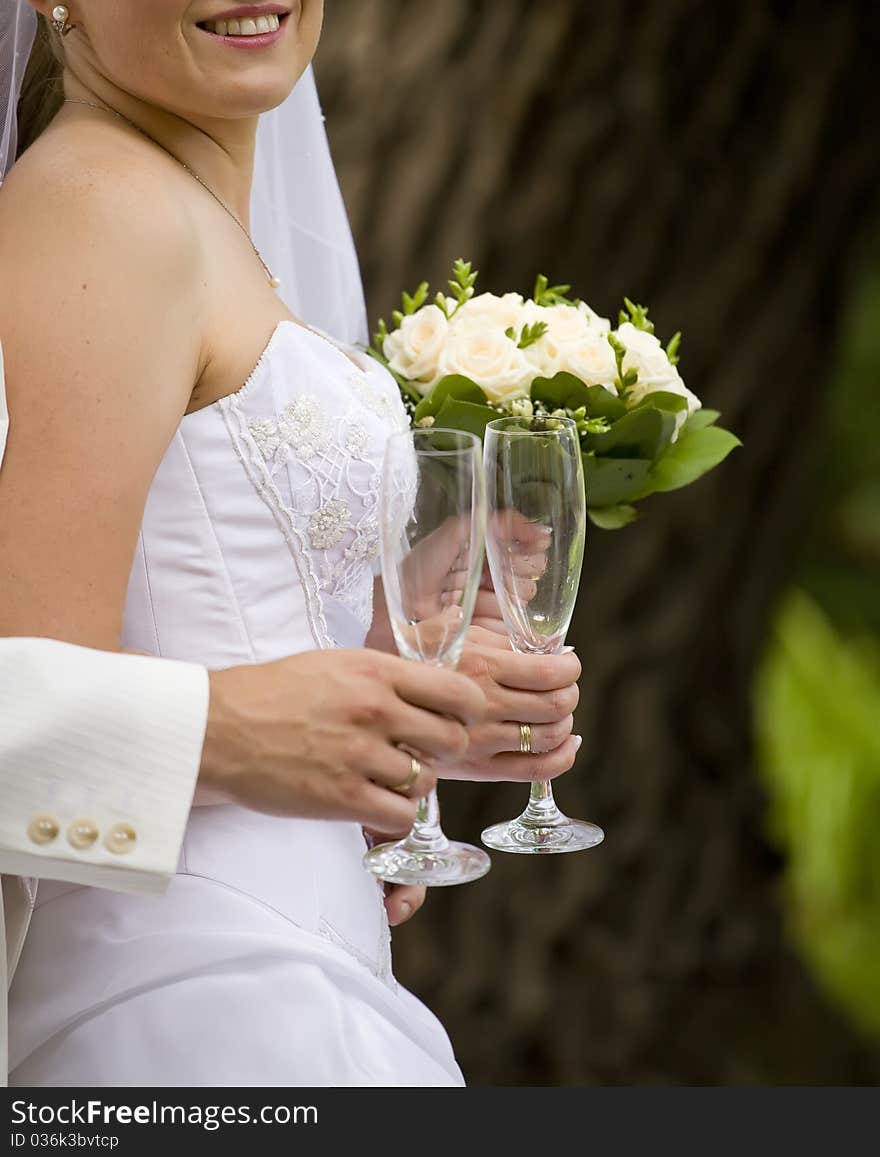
(220, 151)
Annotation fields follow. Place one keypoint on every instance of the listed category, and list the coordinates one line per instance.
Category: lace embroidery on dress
(260, 474)
(332, 459)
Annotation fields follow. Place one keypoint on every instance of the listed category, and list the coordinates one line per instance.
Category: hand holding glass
(535, 545)
(432, 515)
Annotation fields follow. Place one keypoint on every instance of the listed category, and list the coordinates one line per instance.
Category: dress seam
(233, 594)
(154, 621)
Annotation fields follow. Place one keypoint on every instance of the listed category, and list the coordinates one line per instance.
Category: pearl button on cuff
(43, 829)
(120, 839)
(82, 834)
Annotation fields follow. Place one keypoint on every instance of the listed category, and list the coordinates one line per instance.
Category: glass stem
(426, 834)
(542, 811)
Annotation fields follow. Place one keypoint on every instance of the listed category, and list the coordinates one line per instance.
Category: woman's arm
(101, 329)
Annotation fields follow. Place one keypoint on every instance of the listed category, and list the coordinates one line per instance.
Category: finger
(533, 707)
(520, 588)
(515, 527)
(534, 672)
(379, 809)
(391, 768)
(441, 691)
(486, 606)
(437, 736)
(481, 636)
(545, 737)
(402, 901)
(518, 768)
(496, 626)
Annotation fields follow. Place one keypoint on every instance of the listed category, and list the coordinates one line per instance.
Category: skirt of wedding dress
(207, 987)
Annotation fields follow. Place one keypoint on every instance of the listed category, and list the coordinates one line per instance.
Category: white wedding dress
(268, 960)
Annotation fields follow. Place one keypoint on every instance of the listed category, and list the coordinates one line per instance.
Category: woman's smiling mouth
(251, 26)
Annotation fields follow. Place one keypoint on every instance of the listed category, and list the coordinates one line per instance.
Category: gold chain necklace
(273, 280)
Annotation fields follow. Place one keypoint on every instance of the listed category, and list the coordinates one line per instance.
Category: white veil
(298, 219)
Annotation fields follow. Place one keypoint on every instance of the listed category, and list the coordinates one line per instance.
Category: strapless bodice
(259, 540)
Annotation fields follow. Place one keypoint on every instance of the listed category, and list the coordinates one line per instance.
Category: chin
(255, 98)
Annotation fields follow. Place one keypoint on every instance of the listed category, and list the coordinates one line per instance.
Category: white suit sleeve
(99, 755)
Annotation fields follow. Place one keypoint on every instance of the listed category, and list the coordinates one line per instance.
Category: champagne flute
(433, 515)
(535, 544)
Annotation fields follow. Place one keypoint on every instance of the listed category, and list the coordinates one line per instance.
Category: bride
(192, 472)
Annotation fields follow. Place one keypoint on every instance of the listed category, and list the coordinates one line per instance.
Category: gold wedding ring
(525, 738)
(415, 772)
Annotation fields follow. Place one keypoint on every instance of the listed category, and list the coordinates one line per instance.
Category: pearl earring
(60, 20)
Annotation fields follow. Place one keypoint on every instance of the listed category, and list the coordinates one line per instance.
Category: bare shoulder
(101, 266)
(78, 201)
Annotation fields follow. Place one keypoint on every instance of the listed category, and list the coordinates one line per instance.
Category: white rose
(601, 324)
(575, 341)
(592, 360)
(565, 324)
(645, 354)
(546, 356)
(488, 358)
(414, 349)
(486, 311)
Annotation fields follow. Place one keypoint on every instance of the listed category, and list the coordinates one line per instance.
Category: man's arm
(99, 755)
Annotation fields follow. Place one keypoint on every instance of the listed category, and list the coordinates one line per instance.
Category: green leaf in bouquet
(378, 346)
(702, 418)
(662, 400)
(415, 302)
(546, 294)
(642, 433)
(462, 283)
(612, 481)
(612, 517)
(601, 403)
(637, 315)
(564, 391)
(561, 392)
(455, 414)
(529, 334)
(695, 453)
(452, 386)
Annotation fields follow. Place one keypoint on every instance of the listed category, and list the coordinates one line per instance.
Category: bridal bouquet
(462, 360)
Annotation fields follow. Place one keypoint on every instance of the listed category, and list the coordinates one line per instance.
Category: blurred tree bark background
(722, 166)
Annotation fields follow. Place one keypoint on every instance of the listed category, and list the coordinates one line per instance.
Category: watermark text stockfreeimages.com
(210, 1117)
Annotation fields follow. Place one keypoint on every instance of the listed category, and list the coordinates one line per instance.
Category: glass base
(454, 863)
(529, 838)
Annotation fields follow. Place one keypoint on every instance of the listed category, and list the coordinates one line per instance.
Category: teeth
(247, 27)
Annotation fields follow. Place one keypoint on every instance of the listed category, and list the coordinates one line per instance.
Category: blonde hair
(42, 91)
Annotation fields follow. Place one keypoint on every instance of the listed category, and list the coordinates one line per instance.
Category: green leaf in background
(690, 457)
(452, 386)
(816, 704)
(612, 481)
(462, 415)
(612, 517)
(641, 433)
